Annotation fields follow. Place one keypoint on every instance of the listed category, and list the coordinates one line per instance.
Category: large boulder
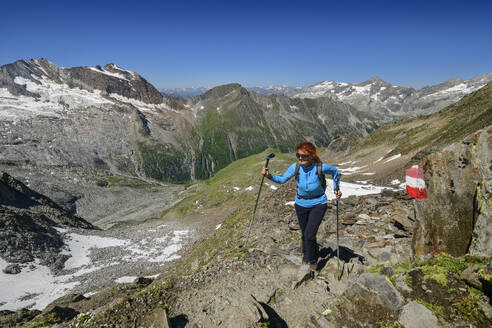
(375, 288)
(449, 218)
(415, 315)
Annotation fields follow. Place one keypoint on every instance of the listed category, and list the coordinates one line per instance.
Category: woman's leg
(302, 217)
(316, 214)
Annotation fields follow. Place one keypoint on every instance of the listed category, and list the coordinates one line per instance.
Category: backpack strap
(296, 175)
(321, 176)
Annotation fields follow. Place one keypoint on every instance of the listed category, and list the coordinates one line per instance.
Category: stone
(304, 274)
(375, 287)
(77, 298)
(481, 244)
(484, 304)
(142, 281)
(256, 312)
(470, 276)
(415, 315)
(400, 283)
(12, 269)
(158, 318)
(317, 320)
(445, 219)
(293, 258)
(387, 271)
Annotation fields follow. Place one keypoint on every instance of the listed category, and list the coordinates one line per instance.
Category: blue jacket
(308, 184)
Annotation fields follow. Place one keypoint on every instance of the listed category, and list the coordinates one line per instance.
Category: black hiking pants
(309, 221)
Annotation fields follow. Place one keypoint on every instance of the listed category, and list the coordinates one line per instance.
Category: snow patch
(141, 106)
(103, 71)
(34, 287)
(80, 246)
(126, 279)
(393, 158)
(349, 189)
(352, 169)
(53, 101)
(162, 249)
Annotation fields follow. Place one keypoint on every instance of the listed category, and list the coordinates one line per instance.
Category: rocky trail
(269, 287)
(269, 282)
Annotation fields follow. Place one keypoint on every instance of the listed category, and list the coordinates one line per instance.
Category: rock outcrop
(28, 222)
(455, 217)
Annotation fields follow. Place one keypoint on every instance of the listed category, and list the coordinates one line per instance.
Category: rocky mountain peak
(223, 90)
(376, 79)
(109, 79)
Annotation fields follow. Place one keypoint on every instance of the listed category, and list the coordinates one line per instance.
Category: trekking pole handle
(272, 155)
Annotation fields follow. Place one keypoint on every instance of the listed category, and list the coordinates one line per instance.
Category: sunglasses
(303, 156)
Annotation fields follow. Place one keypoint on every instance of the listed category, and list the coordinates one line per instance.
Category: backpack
(319, 173)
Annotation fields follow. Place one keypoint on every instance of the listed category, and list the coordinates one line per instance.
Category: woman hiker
(311, 198)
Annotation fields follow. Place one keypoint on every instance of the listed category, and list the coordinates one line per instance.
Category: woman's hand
(265, 172)
(337, 193)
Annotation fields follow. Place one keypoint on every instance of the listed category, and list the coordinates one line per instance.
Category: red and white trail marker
(415, 182)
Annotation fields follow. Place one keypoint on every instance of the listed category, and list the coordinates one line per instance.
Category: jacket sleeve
(333, 171)
(289, 173)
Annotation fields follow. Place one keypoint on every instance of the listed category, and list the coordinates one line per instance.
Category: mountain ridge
(377, 96)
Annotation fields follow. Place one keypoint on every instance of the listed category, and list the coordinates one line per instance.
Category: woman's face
(304, 157)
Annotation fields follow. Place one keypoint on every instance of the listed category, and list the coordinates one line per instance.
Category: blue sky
(208, 43)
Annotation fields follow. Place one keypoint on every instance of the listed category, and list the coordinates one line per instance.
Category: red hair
(309, 148)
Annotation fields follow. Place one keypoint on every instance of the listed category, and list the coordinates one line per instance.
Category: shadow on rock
(346, 254)
(275, 320)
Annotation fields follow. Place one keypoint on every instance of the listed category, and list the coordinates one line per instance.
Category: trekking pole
(272, 155)
(338, 247)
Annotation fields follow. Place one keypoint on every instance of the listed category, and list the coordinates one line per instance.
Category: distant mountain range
(378, 96)
(196, 91)
(373, 95)
(184, 92)
(81, 124)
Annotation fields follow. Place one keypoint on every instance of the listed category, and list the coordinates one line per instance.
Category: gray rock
(317, 320)
(158, 318)
(400, 283)
(387, 271)
(415, 315)
(446, 217)
(376, 287)
(12, 269)
(304, 274)
(293, 258)
(255, 311)
(77, 298)
(470, 276)
(482, 232)
(484, 304)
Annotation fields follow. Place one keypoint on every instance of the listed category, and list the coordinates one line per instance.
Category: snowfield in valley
(136, 252)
